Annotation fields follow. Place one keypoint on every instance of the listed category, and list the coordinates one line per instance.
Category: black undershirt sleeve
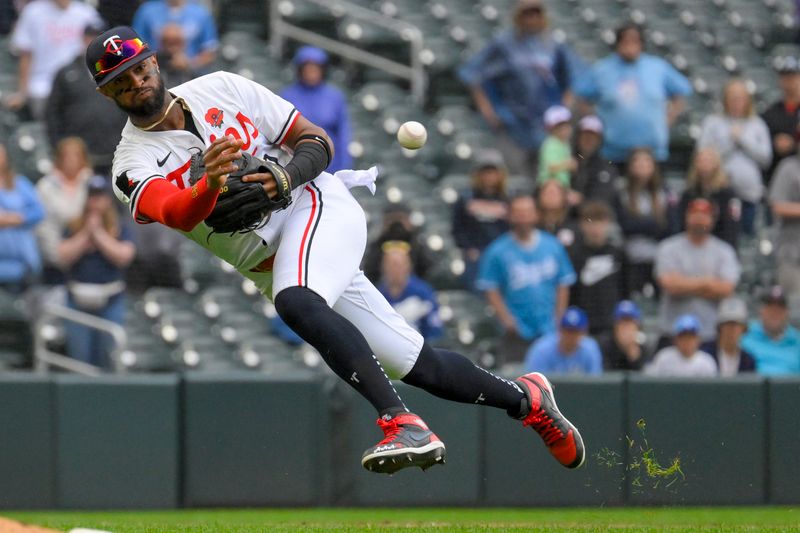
(310, 159)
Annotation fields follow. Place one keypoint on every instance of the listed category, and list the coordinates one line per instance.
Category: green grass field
(433, 519)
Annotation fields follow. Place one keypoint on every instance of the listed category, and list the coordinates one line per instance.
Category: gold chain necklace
(163, 117)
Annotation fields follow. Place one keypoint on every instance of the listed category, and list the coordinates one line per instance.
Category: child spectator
(625, 349)
(555, 155)
(726, 348)
(684, 358)
(567, 351)
(595, 177)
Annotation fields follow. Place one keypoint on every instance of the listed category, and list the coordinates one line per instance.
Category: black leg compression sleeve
(340, 343)
(452, 376)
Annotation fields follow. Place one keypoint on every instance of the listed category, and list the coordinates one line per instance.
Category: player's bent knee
(296, 304)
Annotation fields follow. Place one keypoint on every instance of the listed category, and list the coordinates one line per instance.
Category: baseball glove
(241, 206)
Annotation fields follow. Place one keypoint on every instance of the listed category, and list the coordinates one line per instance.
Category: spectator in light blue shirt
(637, 96)
(773, 343)
(567, 351)
(320, 102)
(526, 275)
(198, 26)
(515, 78)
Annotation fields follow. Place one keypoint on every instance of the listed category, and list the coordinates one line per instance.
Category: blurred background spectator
(726, 348)
(644, 211)
(173, 61)
(95, 251)
(414, 299)
(784, 197)
(320, 102)
(157, 262)
(600, 268)
(625, 349)
(481, 213)
(397, 226)
(20, 211)
(515, 78)
(638, 96)
(773, 342)
(707, 179)
(783, 117)
(695, 270)
(63, 195)
(118, 12)
(47, 36)
(552, 203)
(594, 177)
(526, 275)
(567, 351)
(683, 358)
(199, 28)
(742, 139)
(555, 155)
(76, 109)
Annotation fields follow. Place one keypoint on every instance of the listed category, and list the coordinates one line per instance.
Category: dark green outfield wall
(248, 440)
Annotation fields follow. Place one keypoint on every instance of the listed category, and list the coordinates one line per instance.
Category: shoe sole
(575, 433)
(391, 461)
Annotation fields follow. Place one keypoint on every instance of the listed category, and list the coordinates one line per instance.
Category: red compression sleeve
(183, 209)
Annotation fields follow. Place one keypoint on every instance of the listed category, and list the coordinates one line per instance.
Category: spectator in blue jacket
(567, 351)
(638, 96)
(774, 343)
(20, 211)
(515, 78)
(411, 297)
(320, 102)
(199, 28)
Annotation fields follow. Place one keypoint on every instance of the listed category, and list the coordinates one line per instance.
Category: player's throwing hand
(218, 160)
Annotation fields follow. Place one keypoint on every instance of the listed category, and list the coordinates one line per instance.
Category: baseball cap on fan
(113, 52)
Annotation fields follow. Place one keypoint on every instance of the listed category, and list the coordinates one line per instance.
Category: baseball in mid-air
(412, 135)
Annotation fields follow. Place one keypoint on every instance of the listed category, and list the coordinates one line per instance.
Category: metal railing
(44, 358)
(414, 71)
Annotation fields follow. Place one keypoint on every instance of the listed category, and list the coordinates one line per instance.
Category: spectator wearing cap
(76, 109)
(567, 351)
(783, 117)
(95, 251)
(773, 342)
(726, 348)
(555, 155)
(600, 267)
(411, 297)
(695, 270)
(481, 213)
(199, 28)
(173, 61)
(321, 102)
(742, 139)
(683, 359)
(707, 179)
(638, 96)
(625, 349)
(397, 227)
(47, 36)
(525, 275)
(515, 78)
(784, 199)
(595, 177)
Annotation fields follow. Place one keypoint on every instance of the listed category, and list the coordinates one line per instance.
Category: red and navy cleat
(559, 435)
(407, 442)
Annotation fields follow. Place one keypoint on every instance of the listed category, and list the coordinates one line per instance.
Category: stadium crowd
(565, 271)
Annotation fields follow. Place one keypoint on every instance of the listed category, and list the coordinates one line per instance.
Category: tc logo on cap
(113, 45)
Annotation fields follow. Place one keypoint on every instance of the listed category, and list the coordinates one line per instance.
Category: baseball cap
(113, 52)
(701, 205)
(686, 324)
(310, 54)
(97, 185)
(489, 158)
(786, 64)
(574, 318)
(555, 115)
(732, 309)
(774, 295)
(627, 309)
(591, 123)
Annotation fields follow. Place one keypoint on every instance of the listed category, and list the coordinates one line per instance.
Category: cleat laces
(390, 430)
(544, 426)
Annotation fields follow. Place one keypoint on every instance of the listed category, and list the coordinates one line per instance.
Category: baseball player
(305, 256)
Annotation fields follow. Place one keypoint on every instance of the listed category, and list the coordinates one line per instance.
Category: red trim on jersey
(303, 251)
(279, 142)
(183, 209)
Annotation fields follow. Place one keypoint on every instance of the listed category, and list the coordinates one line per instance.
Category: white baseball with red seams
(412, 135)
(317, 242)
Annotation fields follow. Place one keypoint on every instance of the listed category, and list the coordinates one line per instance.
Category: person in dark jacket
(726, 349)
(481, 214)
(595, 176)
(76, 109)
(783, 117)
(625, 349)
(600, 267)
(707, 179)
